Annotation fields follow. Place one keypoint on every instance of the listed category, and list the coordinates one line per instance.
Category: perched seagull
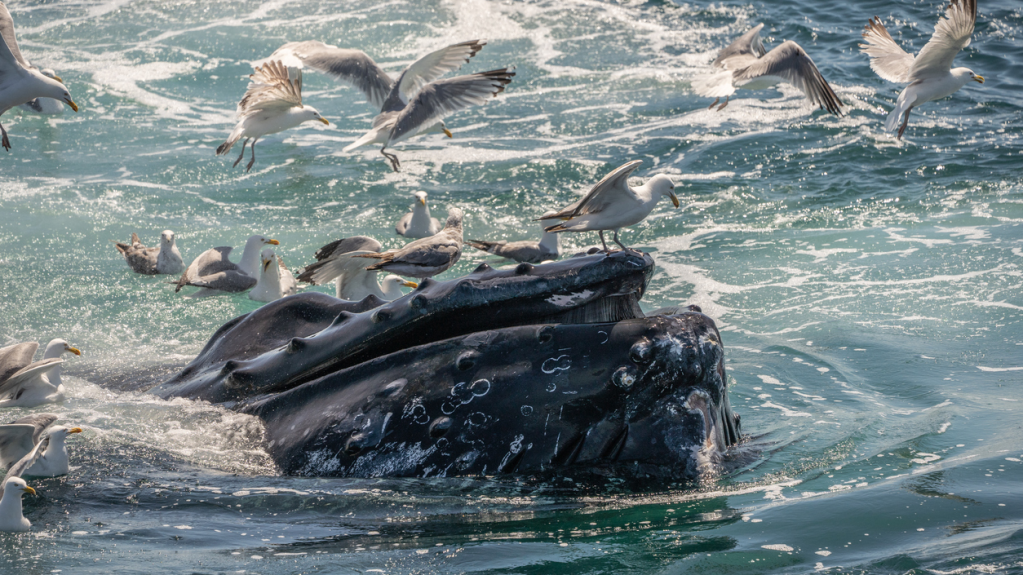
(21, 82)
(930, 75)
(24, 383)
(337, 260)
(216, 273)
(613, 204)
(29, 447)
(11, 517)
(746, 64)
(547, 248)
(426, 257)
(272, 103)
(45, 106)
(274, 281)
(414, 103)
(165, 259)
(418, 223)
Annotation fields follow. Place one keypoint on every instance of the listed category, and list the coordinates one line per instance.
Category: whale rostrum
(536, 370)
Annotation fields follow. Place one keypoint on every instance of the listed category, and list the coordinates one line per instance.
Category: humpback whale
(536, 371)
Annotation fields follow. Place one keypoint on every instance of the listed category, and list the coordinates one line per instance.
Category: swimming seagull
(612, 204)
(532, 252)
(25, 383)
(11, 516)
(216, 273)
(426, 257)
(274, 280)
(337, 261)
(418, 223)
(29, 447)
(21, 82)
(272, 103)
(929, 74)
(165, 259)
(746, 64)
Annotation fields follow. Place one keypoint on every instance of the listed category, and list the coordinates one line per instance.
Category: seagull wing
(209, 262)
(19, 379)
(39, 421)
(353, 67)
(607, 191)
(434, 65)
(887, 58)
(28, 460)
(440, 99)
(10, 55)
(434, 251)
(272, 87)
(749, 44)
(14, 358)
(791, 63)
(230, 281)
(951, 34)
(15, 442)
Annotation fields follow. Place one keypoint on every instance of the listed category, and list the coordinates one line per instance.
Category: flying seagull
(338, 261)
(930, 75)
(165, 259)
(426, 257)
(613, 204)
(272, 103)
(746, 64)
(21, 82)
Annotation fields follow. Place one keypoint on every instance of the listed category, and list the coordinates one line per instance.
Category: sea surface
(868, 290)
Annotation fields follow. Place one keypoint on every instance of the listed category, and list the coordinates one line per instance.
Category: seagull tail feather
(229, 143)
(366, 138)
(895, 117)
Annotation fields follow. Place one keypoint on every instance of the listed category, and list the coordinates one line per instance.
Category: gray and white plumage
(612, 204)
(274, 281)
(338, 261)
(28, 383)
(426, 257)
(45, 106)
(30, 447)
(746, 64)
(548, 248)
(272, 103)
(20, 81)
(929, 74)
(165, 259)
(11, 516)
(214, 271)
(418, 223)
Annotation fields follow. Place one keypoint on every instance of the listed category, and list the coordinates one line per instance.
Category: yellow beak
(29, 490)
(448, 133)
(422, 201)
(273, 242)
(73, 350)
(71, 103)
(266, 264)
(674, 198)
(75, 430)
(979, 79)
(410, 284)
(324, 120)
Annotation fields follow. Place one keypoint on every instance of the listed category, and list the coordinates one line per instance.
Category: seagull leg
(716, 100)
(253, 160)
(6, 142)
(623, 245)
(601, 232)
(722, 106)
(394, 159)
(905, 122)
(241, 155)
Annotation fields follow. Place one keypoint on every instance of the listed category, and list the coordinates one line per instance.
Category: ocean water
(868, 291)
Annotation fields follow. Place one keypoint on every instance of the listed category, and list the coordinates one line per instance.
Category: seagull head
(976, 77)
(167, 237)
(420, 197)
(662, 185)
(393, 281)
(267, 257)
(454, 218)
(965, 76)
(60, 433)
(311, 113)
(18, 485)
(58, 347)
(57, 91)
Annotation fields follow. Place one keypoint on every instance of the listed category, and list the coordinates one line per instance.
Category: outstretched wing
(15, 442)
(791, 63)
(602, 194)
(749, 44)
(887, 58)
(20, 378)
(431, 67)
(272, 87)
(440, 99)
(951, 34)
(9, 52)
(26, 462)
(352, 67)
(14, 358)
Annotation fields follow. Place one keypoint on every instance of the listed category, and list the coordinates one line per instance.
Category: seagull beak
(422, 201)
(325, 122)
(979, 79)
(59, 79)
(29, 490)
(266, 264)
(75, 430)
(71, 103)
(73, 350)
(273, 242)
(674, 198)
(410, 284)
(448, 133)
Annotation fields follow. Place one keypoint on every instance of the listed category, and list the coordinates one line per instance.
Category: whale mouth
(699, 403)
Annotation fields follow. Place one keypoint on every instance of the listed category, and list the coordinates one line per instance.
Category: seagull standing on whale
(930, 74)
(746, 64)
